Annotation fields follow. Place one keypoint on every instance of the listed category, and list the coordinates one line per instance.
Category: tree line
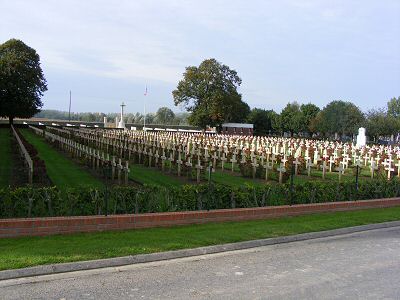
(163, 116)
(338, 119)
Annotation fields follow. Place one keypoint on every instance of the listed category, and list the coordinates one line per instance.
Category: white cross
(389, 169)
(267, 166)
(281, 170)
(373, 167)
(199, 167)
(296, 163)
(340, 169)
(324, 167)
(309, 164)
(398, 168)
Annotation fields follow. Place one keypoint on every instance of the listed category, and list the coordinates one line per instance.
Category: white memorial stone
(361, 138)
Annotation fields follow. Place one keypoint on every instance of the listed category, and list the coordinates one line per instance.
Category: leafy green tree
(393, 107)
(209, 92)
(340, 117)
(291, 118)
(276, 122)
(380, 123)
(22, 82)
(164, 115)
(262, 120)
(308, 114)
(150, 118)
(316, 123)
(181, 118)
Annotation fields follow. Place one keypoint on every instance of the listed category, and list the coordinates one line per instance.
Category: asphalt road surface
(363, 265)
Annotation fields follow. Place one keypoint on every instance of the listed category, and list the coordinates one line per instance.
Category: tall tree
(380, 123)
(340, 117)
(291, 118)
(164, 115)
(22, 82)
(393, 107)
(308, 114)
(209, 92)
(276, 123)
(262, 120)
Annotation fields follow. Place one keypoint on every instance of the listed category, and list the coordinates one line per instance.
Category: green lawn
(31, 251)
(5, 156)
(62, 171)
(235, 179)
(334, 176)
(147, 175)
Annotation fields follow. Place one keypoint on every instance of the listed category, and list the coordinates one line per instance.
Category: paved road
(362, 265)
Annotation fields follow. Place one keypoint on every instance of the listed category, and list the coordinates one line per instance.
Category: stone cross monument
(121, 123)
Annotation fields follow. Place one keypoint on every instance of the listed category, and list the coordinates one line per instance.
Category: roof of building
(237, 125)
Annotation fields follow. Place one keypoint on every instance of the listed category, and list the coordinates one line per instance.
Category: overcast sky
(306, 51)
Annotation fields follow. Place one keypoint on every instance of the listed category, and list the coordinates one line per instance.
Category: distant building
(237, 128)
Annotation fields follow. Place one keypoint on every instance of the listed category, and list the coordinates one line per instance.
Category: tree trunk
(11, 120)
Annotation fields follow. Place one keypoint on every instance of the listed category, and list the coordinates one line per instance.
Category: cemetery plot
(233, 159)
(261, 157)
(112, 168)
(5, 157)
(62, 171)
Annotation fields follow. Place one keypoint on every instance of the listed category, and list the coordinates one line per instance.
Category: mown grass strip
(63, 172)
(32, 251)
(230, 179)
(5, 157)
(145, 175)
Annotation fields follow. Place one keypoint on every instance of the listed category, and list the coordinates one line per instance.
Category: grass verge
(145, 175)
(5, 157)
(32, 251)
(62, 171)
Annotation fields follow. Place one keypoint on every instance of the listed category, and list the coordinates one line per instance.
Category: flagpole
(144, 121)
(144, 109)
(69, 110)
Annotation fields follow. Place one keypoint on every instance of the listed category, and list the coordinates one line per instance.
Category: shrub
(50, 201)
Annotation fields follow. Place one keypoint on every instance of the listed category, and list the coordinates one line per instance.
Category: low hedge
(50, 201)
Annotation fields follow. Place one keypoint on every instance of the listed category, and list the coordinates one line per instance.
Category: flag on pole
(145, 93)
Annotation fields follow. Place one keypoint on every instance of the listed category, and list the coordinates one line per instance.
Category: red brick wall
(67, 225)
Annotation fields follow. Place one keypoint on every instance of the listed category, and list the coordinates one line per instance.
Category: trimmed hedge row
(50, 201)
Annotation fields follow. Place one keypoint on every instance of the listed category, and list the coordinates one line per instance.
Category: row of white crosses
(343, 164)
(233, 149)
(95, 157)
(155, 150)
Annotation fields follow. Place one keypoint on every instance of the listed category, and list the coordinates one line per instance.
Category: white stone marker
(340, 169)
(281, 170)
(361, 138)
(324, 168)
(373, 167)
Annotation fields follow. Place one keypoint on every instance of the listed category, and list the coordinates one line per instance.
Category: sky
(107, 52)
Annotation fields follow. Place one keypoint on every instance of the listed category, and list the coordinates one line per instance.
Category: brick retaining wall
(67, 225)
